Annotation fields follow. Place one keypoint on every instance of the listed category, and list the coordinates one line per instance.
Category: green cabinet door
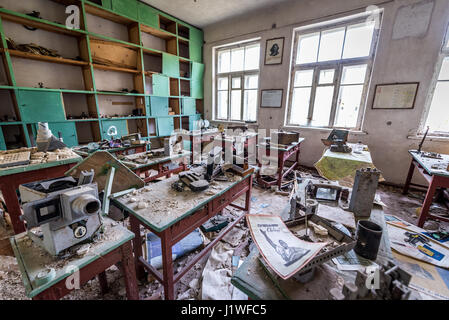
(161, 85)
(126, 8)
(107, 4)
(196, 36)
(197, 71)
(165, 126)
(196, 85)
(2, 140)
(121, 125)
(188, 106)
(193, 122)
(68, 132)
(196, 44)
(40, 106)
(158, 106)
(196, 89)
(148, 15)
(170, 65)
(196, 52)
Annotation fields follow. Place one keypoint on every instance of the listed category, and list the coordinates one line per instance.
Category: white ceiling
(202, 13)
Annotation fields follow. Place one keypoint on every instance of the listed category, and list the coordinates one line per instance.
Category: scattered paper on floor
(281, 249)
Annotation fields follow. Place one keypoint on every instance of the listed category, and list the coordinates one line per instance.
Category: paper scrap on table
(428, 251)
(280, 248)
(350, 261)
(393, 220)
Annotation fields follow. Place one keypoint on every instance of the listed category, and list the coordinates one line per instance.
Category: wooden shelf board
(112, 68)
(95, 37)
(28, 55)
(157, 32)
(121, 94)
(39, 23)
(152, 52)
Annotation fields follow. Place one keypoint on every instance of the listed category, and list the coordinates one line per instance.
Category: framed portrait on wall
(274, 51)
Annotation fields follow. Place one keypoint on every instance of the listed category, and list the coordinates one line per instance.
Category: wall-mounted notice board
(395, 96)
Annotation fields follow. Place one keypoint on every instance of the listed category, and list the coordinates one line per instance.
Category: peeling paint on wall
(413, 20)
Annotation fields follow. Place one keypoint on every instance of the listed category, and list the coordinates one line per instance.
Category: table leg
(167, 262)
(137, 245)
(129, 272)
(298, 151)
(248, 196)
(409, 178)
(102, 279)
(426, 204)
(281, 169)
(13, 206)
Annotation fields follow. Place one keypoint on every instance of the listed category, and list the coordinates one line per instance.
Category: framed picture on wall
(395, 96)
(271, 98)
(274, 51)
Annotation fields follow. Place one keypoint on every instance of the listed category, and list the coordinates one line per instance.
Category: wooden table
(436, 178)
(11, 178)
(173, 215)
(283, 154)
(161, 164)
(133, 149)
(116, 247)
(342, 167)
(197, 137)
(248, 149)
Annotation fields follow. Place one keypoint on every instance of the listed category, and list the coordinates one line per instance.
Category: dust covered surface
(160, 205)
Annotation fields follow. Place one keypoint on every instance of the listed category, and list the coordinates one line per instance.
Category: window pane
(300, 106)
(354, 74)
(304, 78)
(236, 104)
(331, 44)
(308, 48)
(252, 56)
(358, 40)
(222, 105)
(237, 57)
(323, 105)
(224, 61)
(327, 76)
(223, 83)
(236, 83)
(251, 82)
(437, 119)
(250, 107)
(444, 72)
(348, 106)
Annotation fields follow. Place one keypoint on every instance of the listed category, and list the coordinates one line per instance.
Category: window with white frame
(437, 117)
(237, 82)
(330, 74)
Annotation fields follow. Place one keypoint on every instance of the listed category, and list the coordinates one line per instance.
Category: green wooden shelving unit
(177, 85)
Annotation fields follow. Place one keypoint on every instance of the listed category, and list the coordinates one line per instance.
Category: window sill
(429, 138)
(235, 122)
(354, 131)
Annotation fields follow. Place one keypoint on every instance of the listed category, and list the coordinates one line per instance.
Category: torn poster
(282, 250)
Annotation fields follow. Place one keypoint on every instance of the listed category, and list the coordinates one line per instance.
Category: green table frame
(180, 226)
(117, 251)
